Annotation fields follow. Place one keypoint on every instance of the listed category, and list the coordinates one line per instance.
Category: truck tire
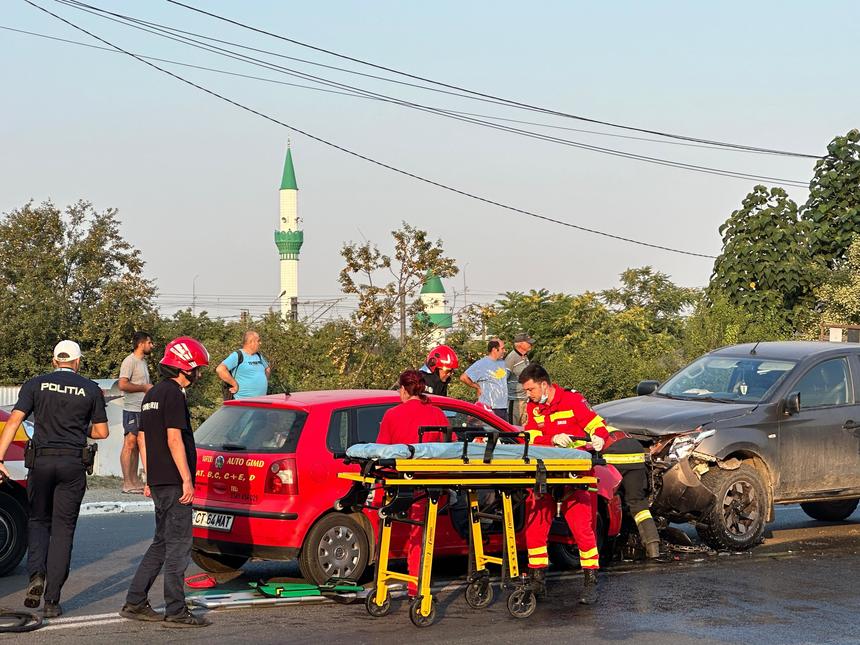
(566, 556)
(13, 533)
(831, 511)
(736, 522)
(336, 546)
(217, 562)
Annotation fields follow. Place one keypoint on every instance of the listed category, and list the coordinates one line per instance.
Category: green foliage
(765, 263)
(839, 296)
(833, 207)
(663, 302)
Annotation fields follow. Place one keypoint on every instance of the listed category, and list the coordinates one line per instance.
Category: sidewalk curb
(104, 508)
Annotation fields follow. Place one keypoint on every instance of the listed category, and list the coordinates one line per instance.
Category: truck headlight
(684, 444)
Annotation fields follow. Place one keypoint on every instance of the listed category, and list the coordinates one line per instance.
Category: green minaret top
(288, 181)
(432, 284)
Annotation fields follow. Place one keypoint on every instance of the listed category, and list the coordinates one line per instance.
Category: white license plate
(214, 521)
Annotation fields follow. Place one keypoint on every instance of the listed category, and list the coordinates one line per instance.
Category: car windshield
(727, 379)
(236, 427)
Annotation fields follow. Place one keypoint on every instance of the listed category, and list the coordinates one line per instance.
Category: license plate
(214, 521)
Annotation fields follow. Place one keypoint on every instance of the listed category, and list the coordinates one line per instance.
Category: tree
(839, 295)
(662, 301)
(833, 206)
(68, 274)
(765, 263)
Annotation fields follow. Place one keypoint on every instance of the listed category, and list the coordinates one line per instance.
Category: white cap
(66, 351)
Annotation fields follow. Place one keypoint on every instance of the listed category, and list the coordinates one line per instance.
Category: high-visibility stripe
(591, 553)
(534, 434)
(561, 414)
(578, 443)
(540, 550)
(641, 516)
(596, 422)
(534, 562)
(593, 563)
(611, 429)
(631, 458)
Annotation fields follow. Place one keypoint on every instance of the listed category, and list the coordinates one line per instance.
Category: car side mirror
(792, 403)
(647, 387)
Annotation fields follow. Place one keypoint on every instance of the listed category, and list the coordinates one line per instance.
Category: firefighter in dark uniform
(67, 408)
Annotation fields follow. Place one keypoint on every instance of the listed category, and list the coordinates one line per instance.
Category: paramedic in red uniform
(400, 425)
(559, 417)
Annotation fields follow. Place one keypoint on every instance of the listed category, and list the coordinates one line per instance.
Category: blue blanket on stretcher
(455, 451)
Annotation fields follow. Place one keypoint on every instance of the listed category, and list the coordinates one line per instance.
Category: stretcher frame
(406, 481)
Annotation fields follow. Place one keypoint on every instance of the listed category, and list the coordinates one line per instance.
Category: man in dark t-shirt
(169, 458)
(67, 408)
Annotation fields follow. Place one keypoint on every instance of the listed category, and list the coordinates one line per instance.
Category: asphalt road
(799, 587)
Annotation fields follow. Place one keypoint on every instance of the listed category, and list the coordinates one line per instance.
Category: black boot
(650, 538)
(652, 550)
(589, 587)
(537, 582)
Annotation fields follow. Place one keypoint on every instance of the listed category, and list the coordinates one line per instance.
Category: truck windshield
(727, 379)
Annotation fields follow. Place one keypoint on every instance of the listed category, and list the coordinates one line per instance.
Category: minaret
(289, 239)
(435, 309)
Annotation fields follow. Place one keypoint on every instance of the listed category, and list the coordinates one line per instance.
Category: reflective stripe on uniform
(593, 563)
(538, 557)
(641, 516)
(561, 414)
(585, 555)
(636, 458)
(596, 422)
(538, 550)
(539, 418)
(534, 434)
(579, 443)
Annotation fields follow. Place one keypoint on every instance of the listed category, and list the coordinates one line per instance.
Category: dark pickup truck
(747, 427)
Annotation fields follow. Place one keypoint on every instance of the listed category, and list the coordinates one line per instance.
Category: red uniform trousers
(414, 543)
(579, 509)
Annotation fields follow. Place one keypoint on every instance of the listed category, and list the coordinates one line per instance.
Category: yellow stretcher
(406, 481)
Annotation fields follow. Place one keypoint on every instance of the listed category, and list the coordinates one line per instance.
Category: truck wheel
(13, 533)
(831, 511)
(736, 522)
(217, 562)
(566, 556)
(336, 546)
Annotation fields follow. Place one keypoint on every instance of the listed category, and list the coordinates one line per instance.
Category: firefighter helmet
(442, 357)
(185, 353)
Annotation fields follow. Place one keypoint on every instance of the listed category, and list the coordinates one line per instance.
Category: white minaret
(435, 309)
(289, 239)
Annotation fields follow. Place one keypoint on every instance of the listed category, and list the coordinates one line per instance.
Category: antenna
(752, 351)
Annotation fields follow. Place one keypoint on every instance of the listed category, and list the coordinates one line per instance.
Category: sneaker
(186, 619)
(35, 590)
(143, 611)
(52, 610)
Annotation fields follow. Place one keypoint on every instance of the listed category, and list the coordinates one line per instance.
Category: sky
(196, 180)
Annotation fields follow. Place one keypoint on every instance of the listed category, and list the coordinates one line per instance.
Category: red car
(13, 502)
(267, 482)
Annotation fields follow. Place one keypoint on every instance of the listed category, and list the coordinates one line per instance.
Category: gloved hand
(562, 440)
(597, 443)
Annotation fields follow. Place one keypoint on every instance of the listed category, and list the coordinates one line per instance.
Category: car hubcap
(339, 552)
(740, 508)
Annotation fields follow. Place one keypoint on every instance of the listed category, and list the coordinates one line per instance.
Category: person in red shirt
(559, 417)
(400, 425)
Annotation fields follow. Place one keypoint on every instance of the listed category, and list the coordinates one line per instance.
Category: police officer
(67, 408)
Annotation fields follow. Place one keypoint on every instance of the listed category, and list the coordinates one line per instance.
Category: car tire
(566, 556)
(831, 511)
(217, 562)
(13, 533)
(335, 547)
(736, 522)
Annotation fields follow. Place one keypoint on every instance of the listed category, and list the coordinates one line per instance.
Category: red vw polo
(267, 482)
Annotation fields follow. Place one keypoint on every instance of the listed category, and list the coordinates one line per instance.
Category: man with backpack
(245, 373)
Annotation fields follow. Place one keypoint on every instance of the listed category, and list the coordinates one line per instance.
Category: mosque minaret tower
(289, 239)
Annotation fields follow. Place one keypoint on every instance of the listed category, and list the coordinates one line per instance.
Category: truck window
(825, 384)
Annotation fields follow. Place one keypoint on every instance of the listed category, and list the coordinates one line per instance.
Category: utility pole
(194, 295)
(294, 308)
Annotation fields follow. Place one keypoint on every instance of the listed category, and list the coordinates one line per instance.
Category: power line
(511, 102)
(164, 32)
(357, 155)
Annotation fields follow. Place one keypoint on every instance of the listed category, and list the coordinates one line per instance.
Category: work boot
(52, 609)
(35, 590)
(186, 619)
(589, 587)
(537, 582)
(143, 611)
(652, 550)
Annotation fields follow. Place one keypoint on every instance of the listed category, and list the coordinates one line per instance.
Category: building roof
(288, 179)
(432, 284)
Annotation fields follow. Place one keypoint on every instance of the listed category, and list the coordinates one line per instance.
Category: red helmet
(185, 353)
(442, 357)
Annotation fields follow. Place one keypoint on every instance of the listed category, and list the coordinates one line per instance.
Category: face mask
(544, 396)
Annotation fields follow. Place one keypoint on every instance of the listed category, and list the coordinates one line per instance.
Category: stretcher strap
(540, 478)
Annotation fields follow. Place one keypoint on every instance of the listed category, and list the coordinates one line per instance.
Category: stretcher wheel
(415, 613)
(377, 611)
(479, 594)
(522, 603)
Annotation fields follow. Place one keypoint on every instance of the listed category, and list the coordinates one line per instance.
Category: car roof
(787, 350)
(321, 397)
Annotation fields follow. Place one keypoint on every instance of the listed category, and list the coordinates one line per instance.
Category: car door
(819, 447)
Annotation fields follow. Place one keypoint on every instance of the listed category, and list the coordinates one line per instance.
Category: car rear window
(235, 427)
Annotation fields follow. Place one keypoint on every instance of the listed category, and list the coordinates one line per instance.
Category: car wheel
(736, 522)
(13, 533)
(335, 547)
(831, 511)
(217, 562)
(566, 556)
